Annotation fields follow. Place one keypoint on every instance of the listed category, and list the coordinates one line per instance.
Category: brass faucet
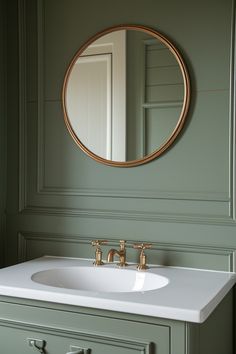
(142, 257)
(121, 253)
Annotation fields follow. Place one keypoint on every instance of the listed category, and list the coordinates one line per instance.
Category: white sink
(100, 279)
(167, 292)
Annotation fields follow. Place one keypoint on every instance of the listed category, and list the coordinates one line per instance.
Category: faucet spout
(121, 254)
(111, 254)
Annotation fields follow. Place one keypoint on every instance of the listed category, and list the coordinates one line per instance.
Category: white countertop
(191, 295)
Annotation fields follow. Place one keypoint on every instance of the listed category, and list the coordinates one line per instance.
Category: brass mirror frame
(183, 114)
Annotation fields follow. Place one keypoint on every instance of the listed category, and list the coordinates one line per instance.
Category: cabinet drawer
(62, 329)
(21, 338)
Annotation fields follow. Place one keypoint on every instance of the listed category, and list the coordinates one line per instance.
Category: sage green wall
(186, 197)
(59, 199)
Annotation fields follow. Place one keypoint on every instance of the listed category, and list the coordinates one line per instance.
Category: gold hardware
(121, 254)
(98, 252)
(142, 258)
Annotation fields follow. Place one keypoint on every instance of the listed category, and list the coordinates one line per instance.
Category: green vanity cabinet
(70, 329)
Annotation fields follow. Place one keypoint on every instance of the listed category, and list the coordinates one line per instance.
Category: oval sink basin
(100, 279)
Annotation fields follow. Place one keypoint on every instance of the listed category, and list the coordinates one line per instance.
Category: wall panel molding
(128, 215)
(133, 193)
(37, 201)
(170, 254)
(41, 94)
(22, 107)
(232, 148)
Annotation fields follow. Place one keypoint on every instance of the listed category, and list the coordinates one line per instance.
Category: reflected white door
(97, 94)
(91, 103)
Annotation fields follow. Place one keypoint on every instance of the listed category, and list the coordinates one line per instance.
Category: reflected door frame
(114, 46)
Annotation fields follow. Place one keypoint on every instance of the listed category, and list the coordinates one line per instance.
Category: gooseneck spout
(111, 254)
(121, 253)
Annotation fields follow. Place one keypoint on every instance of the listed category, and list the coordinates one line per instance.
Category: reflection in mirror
(126, 96)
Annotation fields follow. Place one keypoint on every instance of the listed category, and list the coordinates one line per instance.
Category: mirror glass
(126, 95)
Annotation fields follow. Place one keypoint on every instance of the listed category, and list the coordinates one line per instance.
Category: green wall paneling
(187, 185)
(32, 245)
(58, 199)
(180, 183)
(13, 75)
(57, 179)
(55, 176)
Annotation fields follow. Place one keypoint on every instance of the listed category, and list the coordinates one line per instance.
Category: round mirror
(126, 95)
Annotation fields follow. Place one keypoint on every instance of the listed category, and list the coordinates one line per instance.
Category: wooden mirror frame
(183, 114)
